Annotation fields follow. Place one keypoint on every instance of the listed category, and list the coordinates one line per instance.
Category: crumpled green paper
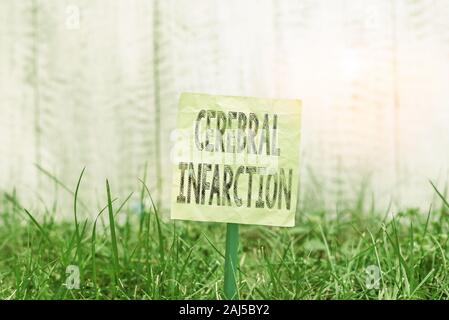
(236, 160)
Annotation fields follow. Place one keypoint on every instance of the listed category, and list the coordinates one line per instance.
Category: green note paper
(236, 160)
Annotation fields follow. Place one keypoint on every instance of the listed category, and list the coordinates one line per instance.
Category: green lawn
(326, 256)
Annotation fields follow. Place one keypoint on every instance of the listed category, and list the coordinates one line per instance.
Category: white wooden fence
(95, 83)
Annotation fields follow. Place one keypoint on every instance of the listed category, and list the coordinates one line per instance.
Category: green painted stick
(232, 246)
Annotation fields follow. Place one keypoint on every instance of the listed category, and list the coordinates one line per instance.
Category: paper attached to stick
(236, 160)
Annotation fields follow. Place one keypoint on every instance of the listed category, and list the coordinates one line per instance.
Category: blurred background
(95, 84)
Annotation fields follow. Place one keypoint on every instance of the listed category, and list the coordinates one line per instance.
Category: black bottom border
(206, 309)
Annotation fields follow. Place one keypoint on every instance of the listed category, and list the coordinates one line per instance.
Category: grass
(324, 257)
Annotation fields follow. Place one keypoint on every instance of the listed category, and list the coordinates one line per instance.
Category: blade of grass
(439, 194)
(41, 230)
(161, 239)
(93, 247)
(142, 197)
(60, 183)
(427, 222)
(113, 235)
(75, 204)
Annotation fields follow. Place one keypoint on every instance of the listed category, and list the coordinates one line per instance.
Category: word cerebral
(239, 160)
(247, 129)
